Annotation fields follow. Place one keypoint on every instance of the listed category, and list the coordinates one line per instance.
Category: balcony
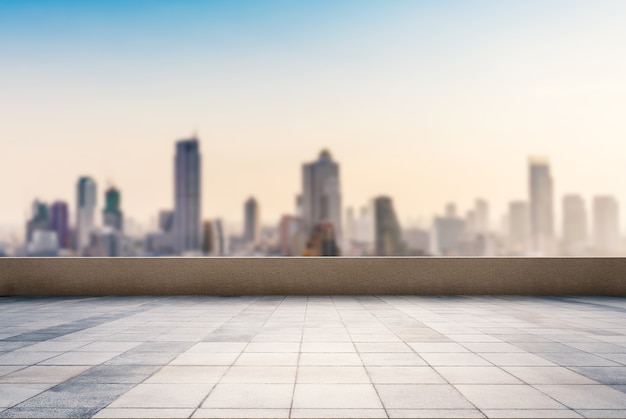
(93, 343)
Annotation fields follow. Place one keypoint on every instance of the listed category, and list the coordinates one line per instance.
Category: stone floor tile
(187, 374)
(421, 396)
(435, 413)
(273, 347)
(59, 412)
(530, 413)
(80, 358)
(326, 347)
(606, 413)
(12, 394)
(118, 347)
(250, 396)
(260, 374)
(148, 413)
(205, 358)
(335, 396)
(332, 375)
(476, 375)
(429, 347)
(387, 347)
(578, 359)
(115, 374)
(43, 374)
(548, 375)
(586, 396)
(20, 357)
(507, 396)
(263, 359)
(242, 413)
(458, 359)
(604, 375)
(399, 359)
(330, 359)
(70, 395)
(212, 347)
(53, 346)
(517, 359)
(338, 413)
(404, 375)
(163, 396)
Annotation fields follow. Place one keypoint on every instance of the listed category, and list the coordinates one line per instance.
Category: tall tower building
(541, 204)
(252, 227)
(574, 221)
(59, 223)
(321, 197)
(85, 211)
(519, 226)
(187, 197)
(606, 225)
(481, 225)
(387, 229)
(112, 214)
(40, 219)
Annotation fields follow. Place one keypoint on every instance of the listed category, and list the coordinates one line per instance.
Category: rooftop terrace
(298, 356)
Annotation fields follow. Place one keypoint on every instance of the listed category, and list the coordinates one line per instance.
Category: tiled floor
(313, 357)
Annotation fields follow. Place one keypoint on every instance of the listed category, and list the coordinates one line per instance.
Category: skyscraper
(387, 229)
(519, 227)
(481, 225)
(321, 197)
(85, 211)
(574, 222)
(449, 231)
(187, 197)
(112, 214)
(39, 221)
(606, 225)
(59, 222)
(252, 227)
(541, 205)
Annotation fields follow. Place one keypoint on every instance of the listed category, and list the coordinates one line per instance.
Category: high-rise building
(59, 223)
(85, 211)
(207, 237)
(39, 221)
(187, 197)
(449, 231)
(387, 229)
(252, 227)
(574, 222)
(112, 214)
(481, 222)
(606, 225)
(519, 227)
(292, 238)
(321, 197)
(541, 205)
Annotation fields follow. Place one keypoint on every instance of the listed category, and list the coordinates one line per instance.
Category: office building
(252, 227)
(541, 206)
(519, 232)
(59, 223)
(187, 197)
(321, 197)
(85, 212)
(387, 229)
(606, 237)
(112, 214)
(574, 224)
(39, 221)
(449, 231)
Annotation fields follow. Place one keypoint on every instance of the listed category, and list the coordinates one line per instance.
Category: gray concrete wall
(312, 276)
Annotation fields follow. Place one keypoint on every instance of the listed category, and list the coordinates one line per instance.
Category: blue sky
(402, 92)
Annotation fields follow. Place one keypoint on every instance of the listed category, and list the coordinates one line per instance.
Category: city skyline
(416, 100)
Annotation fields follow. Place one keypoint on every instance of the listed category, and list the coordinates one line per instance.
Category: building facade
(187, 197)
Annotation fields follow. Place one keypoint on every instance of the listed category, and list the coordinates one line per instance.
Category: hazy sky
(425, 101)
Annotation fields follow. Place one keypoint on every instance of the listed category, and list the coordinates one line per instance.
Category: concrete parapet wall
(312, 276)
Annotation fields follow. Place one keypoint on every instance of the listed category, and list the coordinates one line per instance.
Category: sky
(428, 102)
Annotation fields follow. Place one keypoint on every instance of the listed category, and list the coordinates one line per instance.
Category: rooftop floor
(386, 356)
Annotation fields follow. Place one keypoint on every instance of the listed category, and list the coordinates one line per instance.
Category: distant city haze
(426, 102)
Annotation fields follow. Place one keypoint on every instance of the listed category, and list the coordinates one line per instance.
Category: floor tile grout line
(295, 383)
(258, 299)
(438, 373)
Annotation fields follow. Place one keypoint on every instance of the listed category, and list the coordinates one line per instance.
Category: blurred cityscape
(318, 224)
